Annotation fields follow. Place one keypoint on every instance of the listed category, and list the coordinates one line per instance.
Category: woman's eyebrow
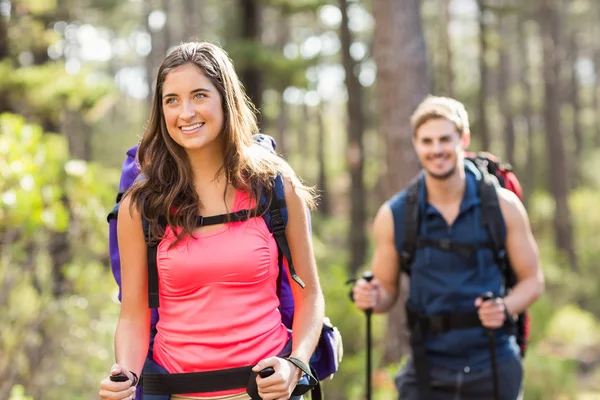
(192, 92)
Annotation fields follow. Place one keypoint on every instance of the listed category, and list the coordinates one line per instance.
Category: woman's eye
(199, 95)
(170, 100)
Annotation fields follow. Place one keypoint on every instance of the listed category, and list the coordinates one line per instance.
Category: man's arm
(522, 252)
(381, 293)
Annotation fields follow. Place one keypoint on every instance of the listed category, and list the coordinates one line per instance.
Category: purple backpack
(328, 354)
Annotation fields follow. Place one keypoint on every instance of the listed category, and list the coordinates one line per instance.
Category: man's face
(439, 147)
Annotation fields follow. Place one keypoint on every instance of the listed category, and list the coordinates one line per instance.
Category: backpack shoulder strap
(276, 219)
(411, 224)
(152, 252)
(491, 214)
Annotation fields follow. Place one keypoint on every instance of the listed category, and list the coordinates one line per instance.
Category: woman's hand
(282, 383)
(110, 390)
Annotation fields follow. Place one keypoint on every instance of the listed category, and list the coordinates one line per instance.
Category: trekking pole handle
(120, 377)
(265, 373)
(368, 276)
(485, 297)
(488, 296)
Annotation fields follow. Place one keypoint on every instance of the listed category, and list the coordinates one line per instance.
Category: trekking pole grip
(368, 276)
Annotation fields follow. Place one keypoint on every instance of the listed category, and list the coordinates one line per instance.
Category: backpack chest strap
(464, 249)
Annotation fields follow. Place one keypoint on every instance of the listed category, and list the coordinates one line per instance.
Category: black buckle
(277, 224)
(149, 243)
(406, 258)
(445, 244)
(439, 324)
(200, 221)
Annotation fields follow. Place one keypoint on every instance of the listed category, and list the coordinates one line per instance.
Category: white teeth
(191, 127)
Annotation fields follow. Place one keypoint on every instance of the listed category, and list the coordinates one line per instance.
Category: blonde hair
(434, 107)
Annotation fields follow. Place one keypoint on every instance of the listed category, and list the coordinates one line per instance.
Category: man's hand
(366, 294)
(492, 312)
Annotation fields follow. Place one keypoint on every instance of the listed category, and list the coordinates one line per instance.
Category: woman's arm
(308, 301)
(132, 337)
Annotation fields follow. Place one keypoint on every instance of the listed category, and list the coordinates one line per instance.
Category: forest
(335, 83)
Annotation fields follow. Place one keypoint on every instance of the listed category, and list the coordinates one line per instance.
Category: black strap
(238, 216)
(464, 249)
(418, 336)
(312, 381)
(492, 218)
(196, 382)
(411, 225)
(278, 230)
(443, 323)
(151, 250)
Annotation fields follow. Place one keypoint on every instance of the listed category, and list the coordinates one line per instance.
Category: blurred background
(335, 83)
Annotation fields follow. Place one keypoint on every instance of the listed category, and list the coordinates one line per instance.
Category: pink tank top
(218, 298)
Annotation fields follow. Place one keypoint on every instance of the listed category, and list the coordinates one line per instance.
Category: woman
(218, 306)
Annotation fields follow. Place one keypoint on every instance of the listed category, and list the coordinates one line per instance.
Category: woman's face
(192, 107)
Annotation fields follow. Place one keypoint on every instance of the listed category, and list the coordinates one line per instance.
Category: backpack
(494, 172)
(325, 361)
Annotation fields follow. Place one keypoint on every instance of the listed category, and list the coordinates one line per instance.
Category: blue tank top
(444, 282)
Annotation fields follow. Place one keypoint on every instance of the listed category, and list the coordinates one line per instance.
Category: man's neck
(446, 191)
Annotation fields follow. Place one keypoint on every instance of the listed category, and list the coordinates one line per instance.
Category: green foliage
(548, 376)
(46, 91)
(56, 313)
(18, 393)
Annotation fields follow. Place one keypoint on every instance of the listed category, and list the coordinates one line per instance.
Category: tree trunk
(324, 206)
(557, 166)
(149, 61)
(251, 33)
(77, 133)
(446, 44)
(166, 36)
(282, 126)
(482, 129)
(529, 169)
(576, 107)
(505, 83)
(403, 81)
(3, 37)
(281, 123)
(194, 20)
(596, 94)
(357, 240)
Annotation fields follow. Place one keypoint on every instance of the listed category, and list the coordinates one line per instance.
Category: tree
(482, 119)
(357, 240)
(557, 166)
(403, 81)
(505, 83)
(251, 30)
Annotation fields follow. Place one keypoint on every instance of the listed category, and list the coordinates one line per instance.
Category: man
(452, 355)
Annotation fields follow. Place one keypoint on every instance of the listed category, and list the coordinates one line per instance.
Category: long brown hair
(167, 190)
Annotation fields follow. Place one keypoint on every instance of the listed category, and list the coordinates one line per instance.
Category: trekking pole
(368, 276)
(492, 336)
